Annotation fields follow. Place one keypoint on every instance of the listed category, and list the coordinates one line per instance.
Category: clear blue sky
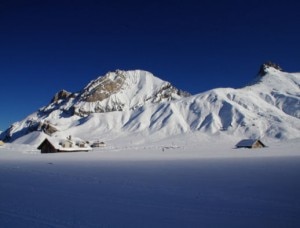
(46, 46)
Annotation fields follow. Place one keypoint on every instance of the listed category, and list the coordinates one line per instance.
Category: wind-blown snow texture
(137, 104)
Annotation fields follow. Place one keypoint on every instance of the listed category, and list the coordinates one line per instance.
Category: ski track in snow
(101, 190)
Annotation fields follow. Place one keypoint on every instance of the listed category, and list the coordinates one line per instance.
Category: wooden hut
(250, 144)
(47, 147)
(53, 146)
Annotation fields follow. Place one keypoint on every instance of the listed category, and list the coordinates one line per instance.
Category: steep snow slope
(268, 108)
(152, 109)
(116, 91)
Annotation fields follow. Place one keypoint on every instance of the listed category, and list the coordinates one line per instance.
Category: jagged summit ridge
(103, 87)
(61, 95)
(116, 91)
(146, 106)
(263, 70)
(124, 90)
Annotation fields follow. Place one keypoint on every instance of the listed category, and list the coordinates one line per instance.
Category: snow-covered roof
(56, 143)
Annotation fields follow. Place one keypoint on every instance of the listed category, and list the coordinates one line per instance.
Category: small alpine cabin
(54, 146)
(250, 144)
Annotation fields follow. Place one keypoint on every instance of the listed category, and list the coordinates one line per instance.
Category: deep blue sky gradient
(46, 46)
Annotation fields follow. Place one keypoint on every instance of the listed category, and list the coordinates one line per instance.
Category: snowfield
(124, 103)
(169, 161)
(195, 182)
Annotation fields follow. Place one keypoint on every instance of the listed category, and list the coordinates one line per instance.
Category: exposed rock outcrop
(142, 104)
(61, 95)
(47, 127)
(263, 67)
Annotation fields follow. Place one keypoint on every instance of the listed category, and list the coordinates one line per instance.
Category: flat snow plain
(159, 185)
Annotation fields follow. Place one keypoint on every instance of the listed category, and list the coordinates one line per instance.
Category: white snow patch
(186, 181)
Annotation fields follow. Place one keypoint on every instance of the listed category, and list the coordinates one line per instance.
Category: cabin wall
(67, 144)
(47, 148)
(257, 145)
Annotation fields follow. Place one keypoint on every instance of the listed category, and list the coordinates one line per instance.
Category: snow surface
(186, 181)
(165, 164)
(268, 109)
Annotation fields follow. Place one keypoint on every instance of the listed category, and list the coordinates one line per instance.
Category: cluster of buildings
(52, 145)
(70, 145)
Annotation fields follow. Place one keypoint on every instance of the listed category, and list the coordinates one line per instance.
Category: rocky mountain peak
(115, 91)
(266, 65)
(124, 90)
(61, 95)
(103, 87)
(146, 105)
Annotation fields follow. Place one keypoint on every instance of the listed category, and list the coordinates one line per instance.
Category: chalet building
(1, 143)
(66, 143)
(81, 144)
(250, 143)
(47, 147)
(54, 146)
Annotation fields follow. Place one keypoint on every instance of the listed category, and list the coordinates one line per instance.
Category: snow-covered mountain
(116, 91)
(138, 105)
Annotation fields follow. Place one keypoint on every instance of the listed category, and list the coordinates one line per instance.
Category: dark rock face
(263, 67)
(48, 128)
(5, 136)
(166, 93)
(61, 95)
